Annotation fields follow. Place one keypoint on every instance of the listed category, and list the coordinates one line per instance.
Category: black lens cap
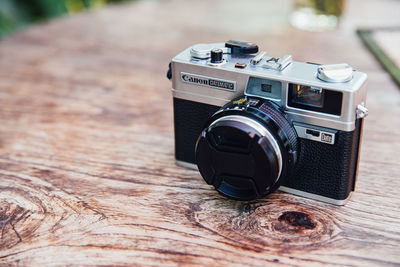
(238, 158)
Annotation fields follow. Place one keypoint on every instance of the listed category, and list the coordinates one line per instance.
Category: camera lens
(247, 149)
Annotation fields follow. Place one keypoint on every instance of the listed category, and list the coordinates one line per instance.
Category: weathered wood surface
(87, 173)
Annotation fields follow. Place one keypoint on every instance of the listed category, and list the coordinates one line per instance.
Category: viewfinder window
(309, 95)
(315, 99)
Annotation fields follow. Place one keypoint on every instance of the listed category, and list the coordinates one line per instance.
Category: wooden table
(87, 172)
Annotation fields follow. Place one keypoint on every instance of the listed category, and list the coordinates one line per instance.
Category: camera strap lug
(361, 111)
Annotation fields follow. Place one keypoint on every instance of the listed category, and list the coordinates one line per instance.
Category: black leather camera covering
(328, 170)
(189, 119)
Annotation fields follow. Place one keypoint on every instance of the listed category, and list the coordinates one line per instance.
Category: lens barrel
(247, 149)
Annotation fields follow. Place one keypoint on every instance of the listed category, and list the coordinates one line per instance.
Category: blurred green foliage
(17, 13)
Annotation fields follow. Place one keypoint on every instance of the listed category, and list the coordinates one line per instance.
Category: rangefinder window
(315, 99)
(267, 88)
(264, 88)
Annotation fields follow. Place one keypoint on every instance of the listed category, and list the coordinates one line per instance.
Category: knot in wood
(26, 213)
(10, 215)
(270, 223)
(296, 218)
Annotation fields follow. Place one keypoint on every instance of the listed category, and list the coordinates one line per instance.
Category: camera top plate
(197, 77)
(339, 77)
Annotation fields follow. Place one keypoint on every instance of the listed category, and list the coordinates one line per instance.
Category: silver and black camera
(252, 123)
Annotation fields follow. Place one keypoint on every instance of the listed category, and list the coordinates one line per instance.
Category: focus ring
(282, 122)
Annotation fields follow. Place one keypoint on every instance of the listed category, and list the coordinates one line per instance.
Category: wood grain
(87, 173)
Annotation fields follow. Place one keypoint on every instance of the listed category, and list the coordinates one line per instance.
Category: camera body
(252, 123)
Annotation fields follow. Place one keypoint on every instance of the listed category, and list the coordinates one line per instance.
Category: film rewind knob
(335, 73)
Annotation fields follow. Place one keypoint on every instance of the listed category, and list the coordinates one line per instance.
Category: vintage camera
(252, 123)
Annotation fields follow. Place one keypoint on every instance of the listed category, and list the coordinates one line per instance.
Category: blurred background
(313, 15)
(18, 13)
(338, 19)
